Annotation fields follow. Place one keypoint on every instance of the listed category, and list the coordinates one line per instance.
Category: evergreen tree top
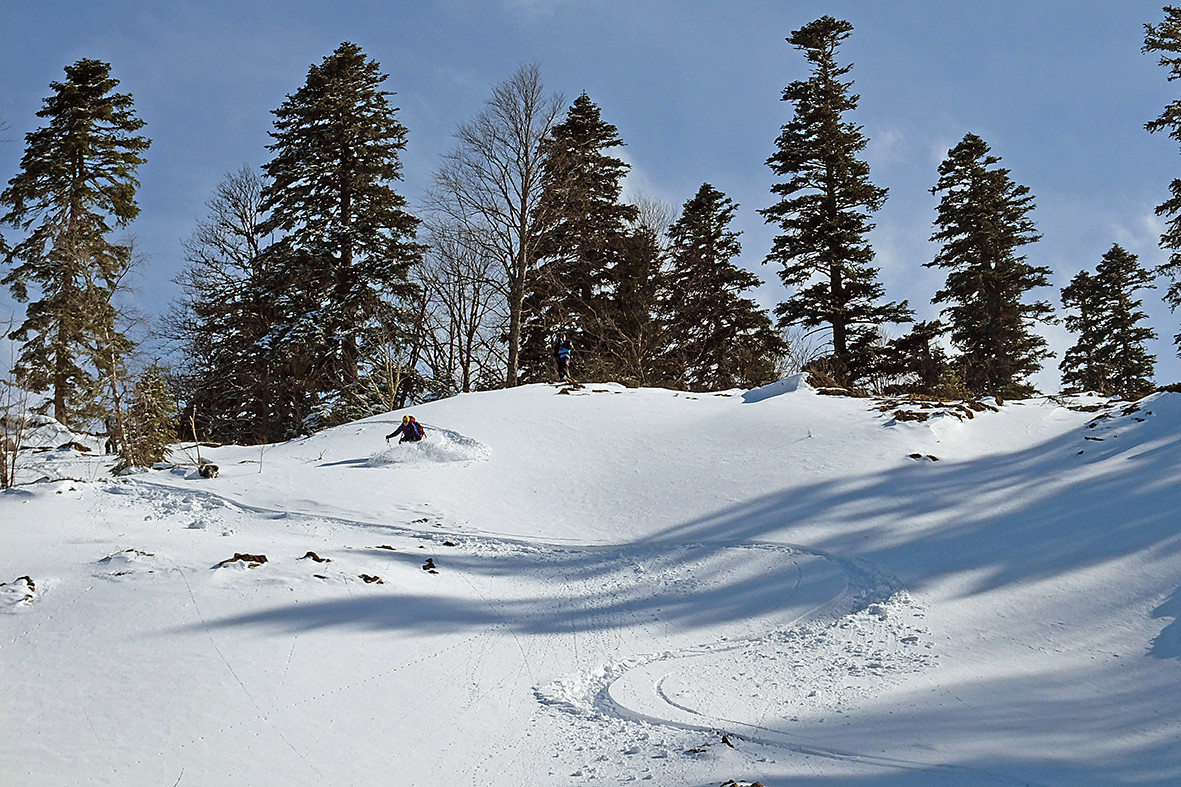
(983, 215)
(819, 40)
(578, 171)
(585, 132)
(336, 153)
(88, 147)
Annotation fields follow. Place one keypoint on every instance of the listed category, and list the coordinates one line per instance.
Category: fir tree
(824, 213)
(632, 334)
(585, 233)
(1109, 355)
(914, 363)
(983, 220)
(715, 338)
(76, 186)
(1166, 39)
(151, 421)
(347, 244)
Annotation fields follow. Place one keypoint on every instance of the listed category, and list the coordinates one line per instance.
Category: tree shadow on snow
(1052, 510)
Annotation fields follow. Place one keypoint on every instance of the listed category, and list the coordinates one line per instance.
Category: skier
(562, 352)
(410, 430)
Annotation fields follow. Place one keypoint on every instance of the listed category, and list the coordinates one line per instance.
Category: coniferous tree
(631, 332)
(824, 210)
(914, 363)
(232, 387)
(983, 220)
(1166, 39)
(715, 338)
(582, 243)
(1109, 355)
(151, 421)
(342, 264)
(76, 185)
(1080, 368)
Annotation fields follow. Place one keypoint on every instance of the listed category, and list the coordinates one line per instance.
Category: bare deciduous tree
(802, 348)
(465, 309)
(223, 315)
(14, 411)
(491, 184)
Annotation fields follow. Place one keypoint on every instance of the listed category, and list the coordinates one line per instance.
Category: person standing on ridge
(562, 352)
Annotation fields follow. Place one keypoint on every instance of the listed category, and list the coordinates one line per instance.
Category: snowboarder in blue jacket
(410, 430)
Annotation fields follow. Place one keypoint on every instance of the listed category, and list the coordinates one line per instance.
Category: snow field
(610, 586)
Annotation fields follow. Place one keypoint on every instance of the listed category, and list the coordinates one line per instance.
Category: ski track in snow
(631, 659)
(860, 635)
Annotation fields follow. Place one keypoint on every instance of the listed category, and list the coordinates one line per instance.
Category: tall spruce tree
(1165, 38)
(582, 243)
(632, 332)
(347, 245)
(76, 186)
(983, 220)
(715, 339)
(824, 213)
(1110, 354)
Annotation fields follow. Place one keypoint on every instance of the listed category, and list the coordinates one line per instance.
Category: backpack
(415, 429)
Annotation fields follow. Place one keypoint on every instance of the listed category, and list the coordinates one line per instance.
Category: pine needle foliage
(1110, 354)
(715, 338)
(1165, 38)
(982, 221)
(151, 423)
(76, 185)
(824, 213)
(341, 265)
(582, 244)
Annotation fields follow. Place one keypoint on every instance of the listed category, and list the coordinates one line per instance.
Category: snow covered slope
(602, 585)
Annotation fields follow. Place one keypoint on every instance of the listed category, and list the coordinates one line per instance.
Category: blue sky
(1059, 89)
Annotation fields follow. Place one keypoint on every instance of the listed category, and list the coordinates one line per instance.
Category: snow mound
(17, 594)
(436, 447)
(786, 385)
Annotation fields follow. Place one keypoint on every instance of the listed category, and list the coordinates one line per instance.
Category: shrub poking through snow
(251, 561)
